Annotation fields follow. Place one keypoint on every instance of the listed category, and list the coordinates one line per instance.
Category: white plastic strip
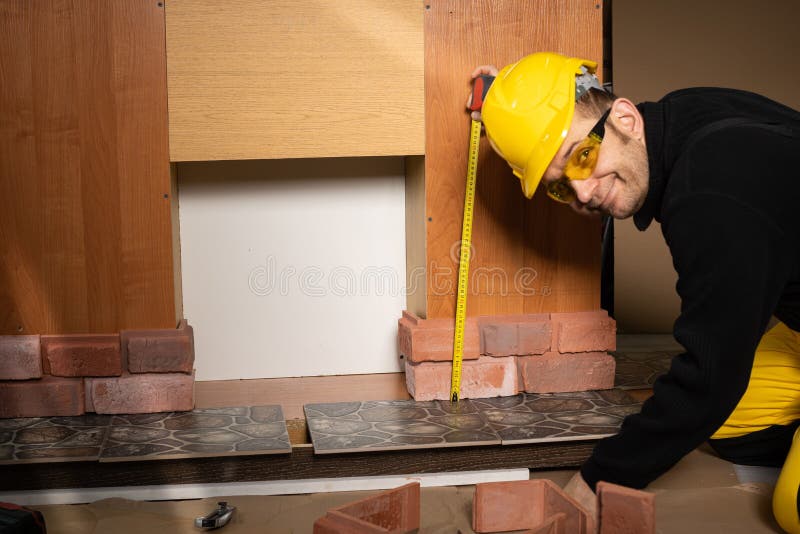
(278, 487)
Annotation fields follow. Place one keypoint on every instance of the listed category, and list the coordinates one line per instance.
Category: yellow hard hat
(528, 110)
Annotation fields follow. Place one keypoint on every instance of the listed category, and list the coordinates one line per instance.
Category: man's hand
(579, 490)
(491, 70)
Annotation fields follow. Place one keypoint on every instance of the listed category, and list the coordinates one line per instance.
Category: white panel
(293, 267)
(278, 487)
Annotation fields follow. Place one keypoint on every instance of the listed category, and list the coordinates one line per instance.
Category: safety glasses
(580, 164)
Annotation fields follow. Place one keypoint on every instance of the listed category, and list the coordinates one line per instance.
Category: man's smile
(611, 195)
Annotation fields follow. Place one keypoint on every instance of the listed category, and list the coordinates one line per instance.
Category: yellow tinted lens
(561, 191)
(583, 160)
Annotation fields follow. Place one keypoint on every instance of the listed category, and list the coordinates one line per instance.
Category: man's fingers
(477, 72)
(491, 70)
(483, 69)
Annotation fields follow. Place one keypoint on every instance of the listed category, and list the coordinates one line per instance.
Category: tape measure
(463, 262)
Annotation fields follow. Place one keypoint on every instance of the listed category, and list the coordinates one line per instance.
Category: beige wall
(662, 46)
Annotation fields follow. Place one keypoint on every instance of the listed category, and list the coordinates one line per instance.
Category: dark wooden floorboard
(301, 464)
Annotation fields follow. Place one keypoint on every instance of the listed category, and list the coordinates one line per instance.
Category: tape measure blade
(463, 264)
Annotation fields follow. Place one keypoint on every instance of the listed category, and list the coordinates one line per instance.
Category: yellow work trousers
(773, 398)
(773, 393)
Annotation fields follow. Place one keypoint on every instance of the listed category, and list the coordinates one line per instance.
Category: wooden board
(301, 464)
(416, 289)
(294, 78)
(85, 240)
(293, 393)
(177, 271)
(529, 256)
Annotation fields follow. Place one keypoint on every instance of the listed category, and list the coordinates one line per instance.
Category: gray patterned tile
(204, 432)
(639, 370)
(392, 425)
(547, 417)
(52, 439)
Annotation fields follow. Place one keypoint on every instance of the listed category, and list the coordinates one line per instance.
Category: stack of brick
(541, 507)
(505, 355)
(135, 371)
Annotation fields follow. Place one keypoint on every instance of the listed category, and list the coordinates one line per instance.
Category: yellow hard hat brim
(542, 155)
(528, 111)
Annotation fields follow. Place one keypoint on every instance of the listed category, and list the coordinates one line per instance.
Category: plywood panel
(528, 256)
(416, 287)
(294, 78)
(177, 271)
(84, 180)
(139, 85)
(293, 393)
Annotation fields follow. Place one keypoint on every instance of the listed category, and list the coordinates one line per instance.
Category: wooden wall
(86, 239)
(85, 231)
(294, 78)
(551, 253)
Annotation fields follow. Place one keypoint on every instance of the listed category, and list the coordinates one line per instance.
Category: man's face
(618, 185)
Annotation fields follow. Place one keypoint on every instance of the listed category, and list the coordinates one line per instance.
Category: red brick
(577, 519)
(527, 504)
(20, 357)
(159, 351)
(624, 510)
(592, 331)
(482, 378)
(413, 318)
(499, 506)
(512, 335)
(431, 340)
(556, 373)
(143, 393)
(48, 396)
(82, 355)
(395, 511)
(552, 525)
(87, 388)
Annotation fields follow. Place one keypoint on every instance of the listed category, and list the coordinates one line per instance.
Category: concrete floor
(702, 494)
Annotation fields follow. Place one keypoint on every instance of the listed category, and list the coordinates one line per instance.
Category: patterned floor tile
(205, 432)
(392, 425)
(547, 417)
(637, 370)
(52, 439)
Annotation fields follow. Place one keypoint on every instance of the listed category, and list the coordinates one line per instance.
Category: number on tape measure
(463, 262)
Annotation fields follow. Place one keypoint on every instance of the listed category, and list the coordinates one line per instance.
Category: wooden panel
(177, 271)
(84, 196)
(293, 393)
(294, 78)
(416, 285)
(528, 256)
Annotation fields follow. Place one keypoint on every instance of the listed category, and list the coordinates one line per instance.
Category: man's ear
(626, 119)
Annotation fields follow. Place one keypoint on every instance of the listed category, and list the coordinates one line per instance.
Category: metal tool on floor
(15, 519)
(480, 87)
(216, 519)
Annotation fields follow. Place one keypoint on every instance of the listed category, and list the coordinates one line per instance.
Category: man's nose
(584, 189)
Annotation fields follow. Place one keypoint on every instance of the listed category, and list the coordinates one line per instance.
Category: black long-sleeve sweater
(728, 206)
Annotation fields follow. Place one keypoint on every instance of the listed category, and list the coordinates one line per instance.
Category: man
(718, 169)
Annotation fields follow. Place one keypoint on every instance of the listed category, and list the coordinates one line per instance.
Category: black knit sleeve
(732, 264)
